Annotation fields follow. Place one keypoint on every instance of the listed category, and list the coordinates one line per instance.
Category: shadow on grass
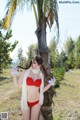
(66, 84)
(3, 78)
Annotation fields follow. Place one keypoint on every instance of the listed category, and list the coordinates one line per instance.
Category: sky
(24, 26)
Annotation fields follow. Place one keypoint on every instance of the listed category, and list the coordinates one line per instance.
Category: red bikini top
(31, 82)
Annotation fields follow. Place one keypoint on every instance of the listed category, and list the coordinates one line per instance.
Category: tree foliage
(70, 52)
(77, 53)
(41, 8)
(69, 46)
(22, 59)
(63, 60)
(5, 48)
(71, 60)
(31, 51)
(54, 55)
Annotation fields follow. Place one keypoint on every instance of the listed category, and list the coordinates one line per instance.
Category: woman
(32, 80)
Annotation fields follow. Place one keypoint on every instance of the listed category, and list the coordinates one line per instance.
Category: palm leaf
(55, 9)
(51, 17)
(35, 13)
(12, 5)
(6, 22)
(45, 7)
(40, 7)
(52, 14)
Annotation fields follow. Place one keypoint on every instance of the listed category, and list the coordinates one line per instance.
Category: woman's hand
(52, 81)
(14, 70)
(14, 66)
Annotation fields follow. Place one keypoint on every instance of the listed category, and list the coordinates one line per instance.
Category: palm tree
(45, 12)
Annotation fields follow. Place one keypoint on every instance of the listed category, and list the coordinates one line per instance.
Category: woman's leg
(26, 114)
(35, 111)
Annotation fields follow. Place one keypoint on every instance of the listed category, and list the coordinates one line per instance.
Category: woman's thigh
(26, 114)
(35, 110)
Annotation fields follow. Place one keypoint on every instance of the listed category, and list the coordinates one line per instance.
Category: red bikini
(30, 104)
(31, 82)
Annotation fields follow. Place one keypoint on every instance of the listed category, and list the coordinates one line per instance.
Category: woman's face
(35, 64)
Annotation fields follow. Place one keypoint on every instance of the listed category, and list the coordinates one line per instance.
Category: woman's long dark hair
(39, 60)
(46, 74)
(27, 67)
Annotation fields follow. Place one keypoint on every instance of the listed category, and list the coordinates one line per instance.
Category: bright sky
(24, 25)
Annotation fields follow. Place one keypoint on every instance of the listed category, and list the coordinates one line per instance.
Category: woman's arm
(47, 87)
(51, 83)
(18, 81)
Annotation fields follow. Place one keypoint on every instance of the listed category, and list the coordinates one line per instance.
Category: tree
(20, 53)
(22, 59)
(5, 48)
(54, 55)
(77, 53)
(63, 60)
(45, 12)
(69, 46)
(71, 60)
(31, 51)
(70, 52)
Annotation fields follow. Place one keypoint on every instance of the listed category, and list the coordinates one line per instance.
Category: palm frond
(45, 7)
(35, 13)
(51, 17)
(12, 6)
(51, 11)
(40, 7)
(10, 12)
(55, 9)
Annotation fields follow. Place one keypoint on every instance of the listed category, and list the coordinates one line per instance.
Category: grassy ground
(67, 99)
(9, 97)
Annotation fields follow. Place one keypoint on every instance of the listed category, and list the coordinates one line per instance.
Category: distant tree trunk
(44, 52)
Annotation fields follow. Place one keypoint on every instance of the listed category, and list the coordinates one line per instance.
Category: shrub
(58, 73)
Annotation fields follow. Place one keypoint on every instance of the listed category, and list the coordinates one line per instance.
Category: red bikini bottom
(30, 104)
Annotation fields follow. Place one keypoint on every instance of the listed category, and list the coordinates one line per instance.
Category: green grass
(67, 99)
(9, 97)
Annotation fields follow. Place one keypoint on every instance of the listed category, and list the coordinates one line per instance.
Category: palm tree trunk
(42, 44)
(43, 50)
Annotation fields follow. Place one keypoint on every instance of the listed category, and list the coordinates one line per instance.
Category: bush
(58, 73)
